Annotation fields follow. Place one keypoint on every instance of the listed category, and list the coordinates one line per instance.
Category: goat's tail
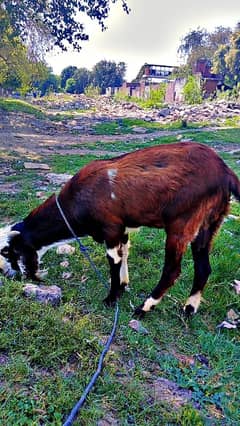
(234, 185)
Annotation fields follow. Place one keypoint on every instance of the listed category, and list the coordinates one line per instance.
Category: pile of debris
(104, 108)
(212, 112)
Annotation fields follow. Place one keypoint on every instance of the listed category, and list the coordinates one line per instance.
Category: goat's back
(165, 179)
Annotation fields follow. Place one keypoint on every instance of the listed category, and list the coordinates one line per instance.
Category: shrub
(92, 91)
(192, 91)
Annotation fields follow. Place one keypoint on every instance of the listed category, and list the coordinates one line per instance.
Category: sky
(151, 33)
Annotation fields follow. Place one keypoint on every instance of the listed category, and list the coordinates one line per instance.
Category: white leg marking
(113, 253)
(194, 301)
(21, 266)
(124, 277)
(149, 303)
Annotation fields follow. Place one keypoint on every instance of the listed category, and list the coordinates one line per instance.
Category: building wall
(209, 86)
(174, 92)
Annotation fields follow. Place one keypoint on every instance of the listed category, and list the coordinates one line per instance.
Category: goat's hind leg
(202, 269)
(175, 248)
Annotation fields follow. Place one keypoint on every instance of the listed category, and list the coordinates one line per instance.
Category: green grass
(126, 125)
(16, 105)
(219, 137)
(47, 355)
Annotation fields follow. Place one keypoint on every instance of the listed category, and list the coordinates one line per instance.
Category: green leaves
(56, 19)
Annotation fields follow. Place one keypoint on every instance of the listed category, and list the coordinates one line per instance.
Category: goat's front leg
(115, 261)
(117, 258)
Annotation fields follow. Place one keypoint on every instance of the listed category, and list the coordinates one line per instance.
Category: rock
(64, 264)
(44, 294)
(57, 179)
(237, 286)
(40, 194)
(232, 315)
(137, 129)
(167, 391)
(164, 112)
(65, 249)
(137, 326)
(108, 420)
(4, 359)
(36, 166)
(66, 275)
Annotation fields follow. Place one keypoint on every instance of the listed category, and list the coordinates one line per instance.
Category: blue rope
(90, 385)
(84, 250)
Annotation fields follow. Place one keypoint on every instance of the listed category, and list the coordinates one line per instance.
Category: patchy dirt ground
(25, 137)
(32, 138)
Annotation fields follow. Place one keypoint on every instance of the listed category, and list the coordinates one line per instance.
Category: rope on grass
(77, 407)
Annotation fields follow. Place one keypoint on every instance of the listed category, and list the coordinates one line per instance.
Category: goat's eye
(5, 251)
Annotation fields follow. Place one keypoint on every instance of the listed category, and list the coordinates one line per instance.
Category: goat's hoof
(189, 311)
(139, 312)
(109, 302)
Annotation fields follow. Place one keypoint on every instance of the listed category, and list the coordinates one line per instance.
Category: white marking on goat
(149, 303)
(112, 173)
(113, 196)
(113, 253)
(21, 266)
(44, 249)
(124, 277)
(5, 234)
(194, 301)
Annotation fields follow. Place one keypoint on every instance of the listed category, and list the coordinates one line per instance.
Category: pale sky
(150, 33)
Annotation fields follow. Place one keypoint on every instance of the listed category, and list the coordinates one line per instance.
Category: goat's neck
(44, 226)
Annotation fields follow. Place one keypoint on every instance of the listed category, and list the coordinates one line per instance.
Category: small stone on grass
(44, 294)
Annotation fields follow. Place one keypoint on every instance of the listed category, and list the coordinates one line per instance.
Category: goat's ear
(13, 234)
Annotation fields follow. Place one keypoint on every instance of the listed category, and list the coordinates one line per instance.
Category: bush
(92, 91)
(192, 91)
(230, 94)
(157, 97)
(70, 85)
(155, 100)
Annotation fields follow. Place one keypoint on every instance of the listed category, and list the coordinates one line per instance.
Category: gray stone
(164, 112)
(36, 166)
(137, 129)
(57, 179)
(44, 294)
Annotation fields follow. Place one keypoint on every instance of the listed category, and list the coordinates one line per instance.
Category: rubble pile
(104, 108)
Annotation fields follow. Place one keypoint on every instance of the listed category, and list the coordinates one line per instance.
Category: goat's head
(17, 257)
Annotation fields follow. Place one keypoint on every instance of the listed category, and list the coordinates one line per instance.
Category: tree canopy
(55, 22)
(200, 43)
(221, 47)
(226, 60)
(104, 74)
(108, 74)
(17, 71)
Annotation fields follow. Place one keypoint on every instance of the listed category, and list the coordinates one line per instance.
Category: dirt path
(34, 138)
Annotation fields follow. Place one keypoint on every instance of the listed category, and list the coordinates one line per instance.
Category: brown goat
(184, 188)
